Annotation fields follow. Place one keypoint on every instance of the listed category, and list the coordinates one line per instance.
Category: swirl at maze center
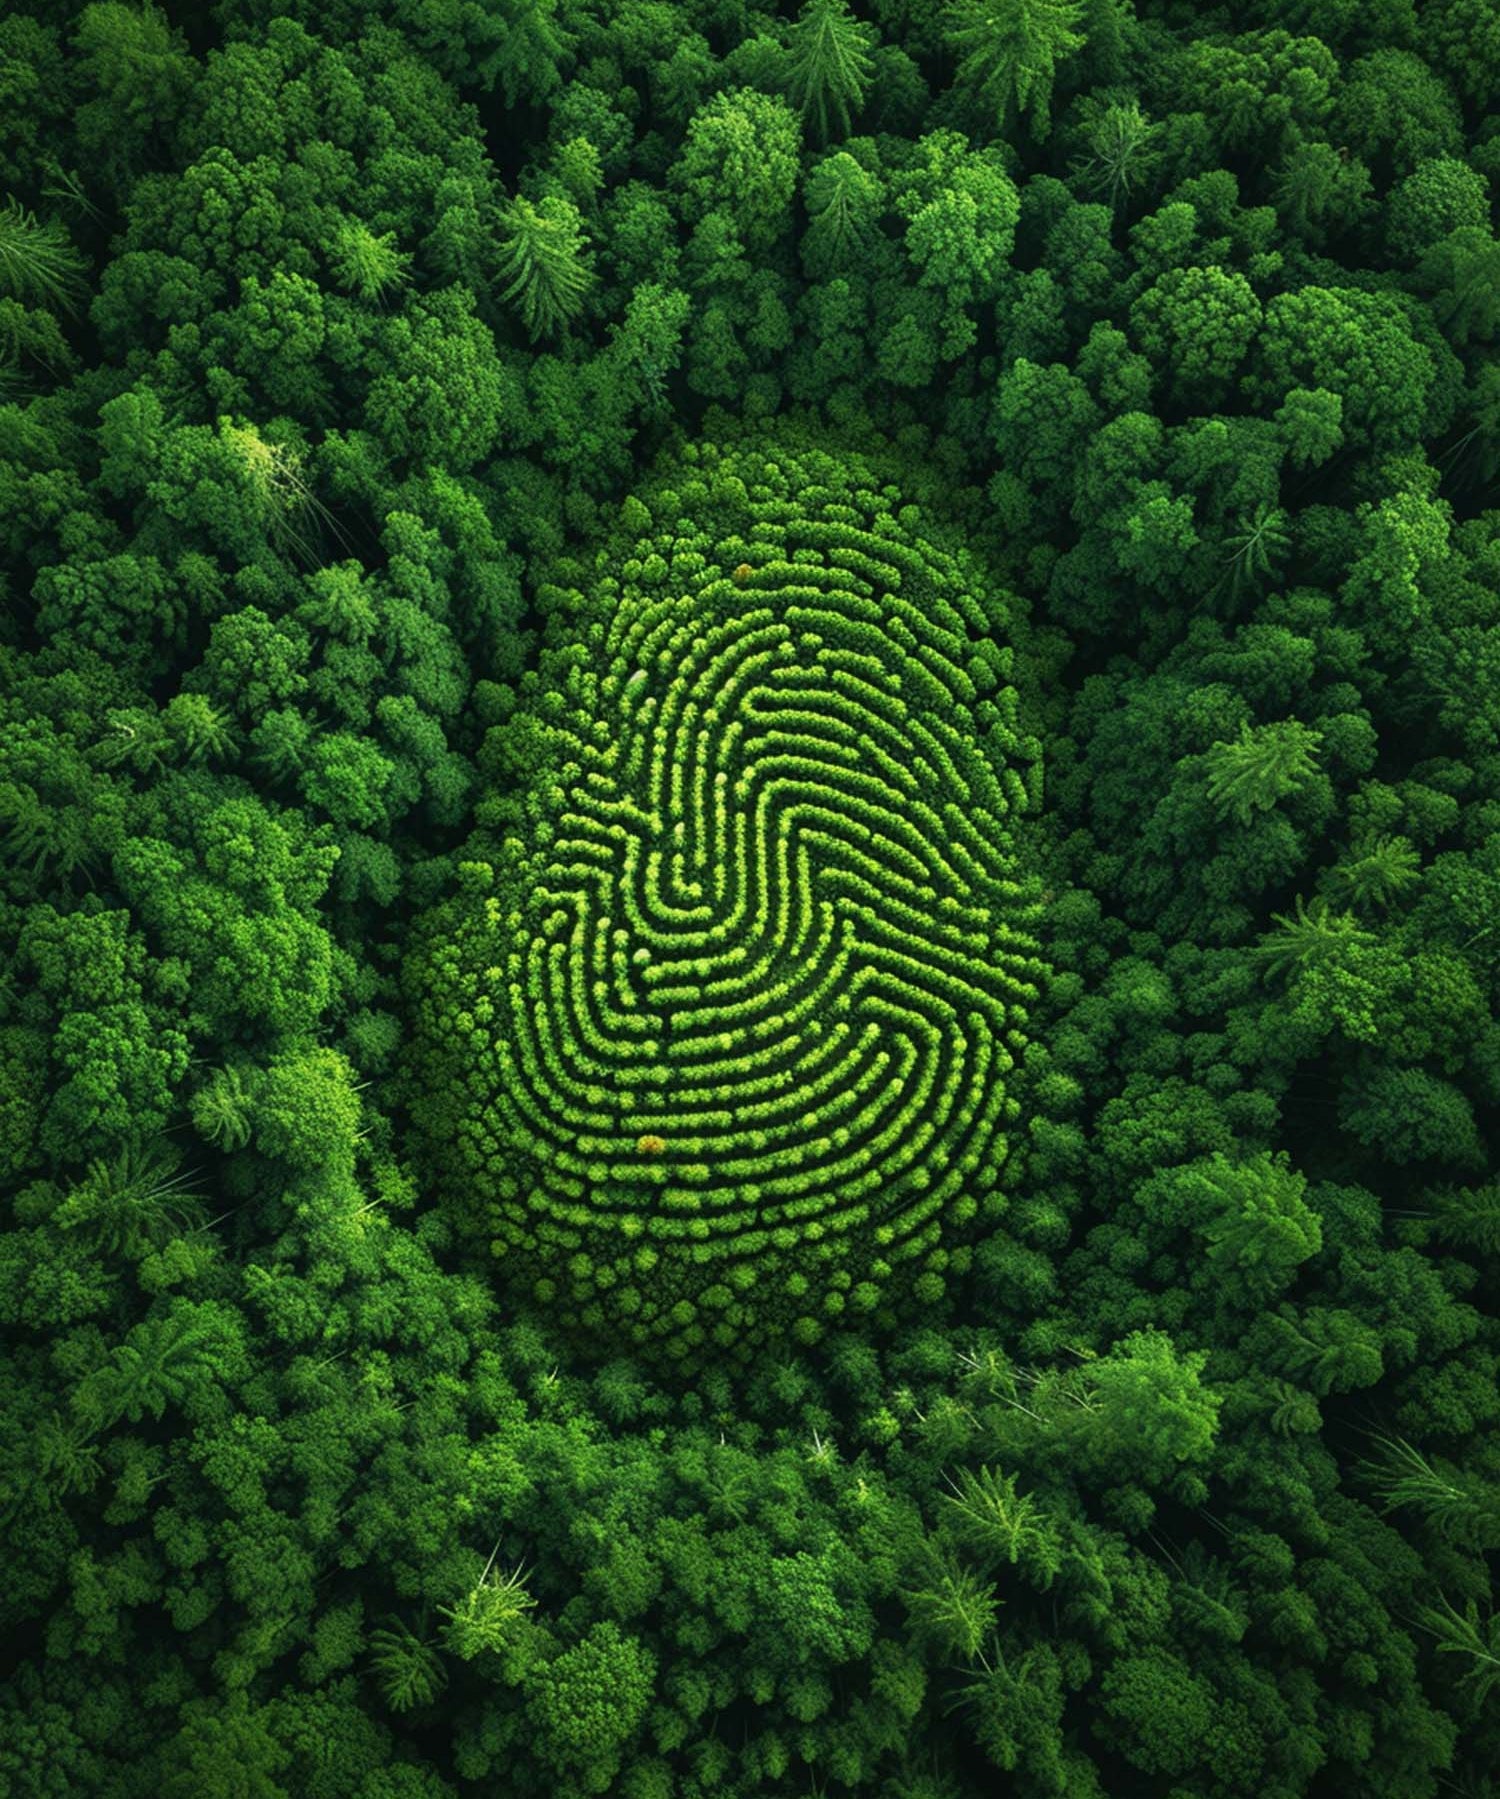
(716, 1035)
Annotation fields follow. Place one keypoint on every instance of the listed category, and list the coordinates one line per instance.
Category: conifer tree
(1264, 764)
(843, 200)
(541, 262)
(1009, 49)
(831, 66)
(38, 264)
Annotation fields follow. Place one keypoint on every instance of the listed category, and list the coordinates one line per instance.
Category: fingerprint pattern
(743, 993)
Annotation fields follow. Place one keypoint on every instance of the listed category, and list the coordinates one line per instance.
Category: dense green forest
(750, 899)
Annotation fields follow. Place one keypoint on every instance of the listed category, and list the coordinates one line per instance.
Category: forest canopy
(749, 798)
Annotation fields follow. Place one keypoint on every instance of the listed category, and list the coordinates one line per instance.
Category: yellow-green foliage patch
(717, 1038)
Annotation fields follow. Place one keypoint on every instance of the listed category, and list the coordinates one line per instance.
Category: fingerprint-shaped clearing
(724, 1019)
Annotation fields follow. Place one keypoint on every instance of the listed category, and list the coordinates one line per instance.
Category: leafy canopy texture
(749, 899)
(729, 1022)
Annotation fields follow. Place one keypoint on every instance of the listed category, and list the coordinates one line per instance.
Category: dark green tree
(1122, 152)
(541, 262)
(1375, 872)
(136, 74)
(1009, 50)
(830, 67)
(843, 201)
(409, 1670)
(526, 47)
(1462, 272)
(1474, 1639)
(166, 1360)
(1256, 547)
(1317, 190)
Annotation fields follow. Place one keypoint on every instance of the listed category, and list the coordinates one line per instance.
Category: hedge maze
(719, 1035)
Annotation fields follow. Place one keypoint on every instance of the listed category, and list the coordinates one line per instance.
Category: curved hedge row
(719, 1034)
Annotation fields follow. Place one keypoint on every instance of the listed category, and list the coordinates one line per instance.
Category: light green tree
(200, 731)
(366, 264)
(1263, 765)
(954, 1607)
(486, 1616)
(990, 1516)
(38, 264)
(740, 158)
(586, 1705)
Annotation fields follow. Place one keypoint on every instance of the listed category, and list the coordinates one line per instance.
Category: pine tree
(527, 51)
(1464, 1633)
(366, 264)
(38, 264)
(164, 1358)
(140, 1198)
(221, 1109)
(541, 262)
(954, 1609)
(1377, 870)
(487, 1615)
(1454, 1504)
(842, 199)
(1311, 936)
(1469, 1217)
(1262, 541)
(1120, 146)
(1264, 764)
(830, 66)
(1009, 50)
(990, 1515)
(409, 1670)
